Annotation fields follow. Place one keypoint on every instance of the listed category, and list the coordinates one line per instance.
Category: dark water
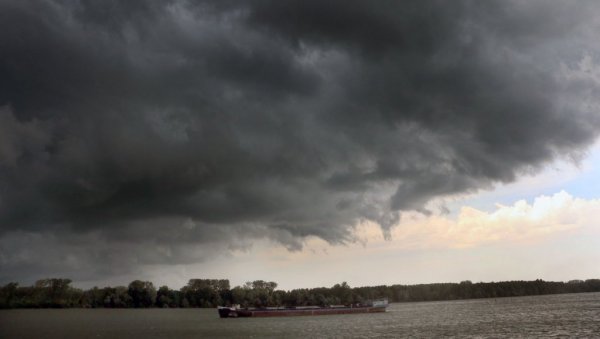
(566, 315)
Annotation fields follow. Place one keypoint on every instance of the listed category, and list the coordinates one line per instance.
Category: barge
(375, 306)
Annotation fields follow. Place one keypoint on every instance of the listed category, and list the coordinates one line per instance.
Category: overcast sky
(306, 142)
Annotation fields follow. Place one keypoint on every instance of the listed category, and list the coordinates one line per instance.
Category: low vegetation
(58, 293)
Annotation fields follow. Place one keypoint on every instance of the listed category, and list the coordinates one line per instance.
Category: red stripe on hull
(325, 311)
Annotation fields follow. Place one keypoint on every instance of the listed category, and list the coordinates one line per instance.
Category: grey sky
(144, 132)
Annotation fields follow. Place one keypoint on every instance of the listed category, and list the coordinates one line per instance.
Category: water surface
(565, 315)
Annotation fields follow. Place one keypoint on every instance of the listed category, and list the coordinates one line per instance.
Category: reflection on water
(539, 316)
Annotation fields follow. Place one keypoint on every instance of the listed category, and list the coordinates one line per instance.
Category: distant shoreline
(208, 293)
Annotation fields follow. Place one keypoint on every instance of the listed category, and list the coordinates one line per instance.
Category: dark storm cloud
(149, 125)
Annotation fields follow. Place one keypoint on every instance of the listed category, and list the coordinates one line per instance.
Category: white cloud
(521, 222)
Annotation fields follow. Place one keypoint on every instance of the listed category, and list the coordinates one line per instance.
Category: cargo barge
(374, 306)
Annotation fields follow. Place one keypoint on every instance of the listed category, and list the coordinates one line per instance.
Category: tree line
(58, 293)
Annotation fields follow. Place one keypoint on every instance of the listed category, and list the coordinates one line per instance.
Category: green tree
(165, 297)
(142, 293)
(206, 292)
(343, 292)
(56, 293)
(8, 295)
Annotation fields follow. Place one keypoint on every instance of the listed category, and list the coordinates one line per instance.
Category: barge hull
(231, 313)
(374, 306)
(292, 313)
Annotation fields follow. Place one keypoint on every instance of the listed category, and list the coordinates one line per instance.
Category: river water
(565, 315)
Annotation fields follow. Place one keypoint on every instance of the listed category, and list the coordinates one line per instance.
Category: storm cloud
(159, 131)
